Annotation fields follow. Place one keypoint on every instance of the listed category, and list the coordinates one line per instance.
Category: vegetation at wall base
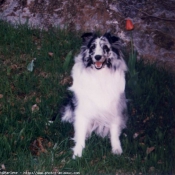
(32, 92)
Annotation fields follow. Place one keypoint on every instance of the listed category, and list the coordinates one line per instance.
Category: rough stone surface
(154, 21)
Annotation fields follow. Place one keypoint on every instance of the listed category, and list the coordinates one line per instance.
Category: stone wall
(154, 21)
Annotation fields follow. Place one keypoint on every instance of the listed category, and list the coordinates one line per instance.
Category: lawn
(34, 74)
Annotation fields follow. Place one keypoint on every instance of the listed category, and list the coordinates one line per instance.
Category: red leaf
(129, 25)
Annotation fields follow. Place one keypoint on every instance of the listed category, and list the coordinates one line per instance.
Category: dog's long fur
(99, 102)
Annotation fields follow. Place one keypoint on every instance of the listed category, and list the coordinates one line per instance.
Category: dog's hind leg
(115, 131)
(81, 127)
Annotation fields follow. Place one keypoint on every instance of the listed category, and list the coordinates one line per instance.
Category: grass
(29, 99)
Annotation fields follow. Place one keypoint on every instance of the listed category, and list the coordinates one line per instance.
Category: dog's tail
(68, 110)
(67, 114)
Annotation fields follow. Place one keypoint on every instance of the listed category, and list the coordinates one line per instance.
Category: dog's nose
(97, 57)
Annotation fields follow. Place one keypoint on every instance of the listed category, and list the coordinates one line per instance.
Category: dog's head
(99, 52)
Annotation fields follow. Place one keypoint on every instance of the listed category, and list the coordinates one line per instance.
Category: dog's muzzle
(99, 63)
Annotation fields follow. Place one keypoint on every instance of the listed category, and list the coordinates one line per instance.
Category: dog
(98, 103)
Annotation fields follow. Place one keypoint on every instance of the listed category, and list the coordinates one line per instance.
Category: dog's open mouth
(98, 64)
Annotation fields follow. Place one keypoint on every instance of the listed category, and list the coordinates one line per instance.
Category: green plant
(133, 74)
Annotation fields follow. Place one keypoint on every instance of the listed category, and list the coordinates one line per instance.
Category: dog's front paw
(77, 151)
(117, 150)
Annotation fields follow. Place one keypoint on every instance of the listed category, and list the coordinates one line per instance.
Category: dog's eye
(92, 47)
(106, 48)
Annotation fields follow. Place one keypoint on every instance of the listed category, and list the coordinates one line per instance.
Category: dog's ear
(111, 39)
(86, 37)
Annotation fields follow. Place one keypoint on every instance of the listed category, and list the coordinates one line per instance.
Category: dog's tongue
(98, 64)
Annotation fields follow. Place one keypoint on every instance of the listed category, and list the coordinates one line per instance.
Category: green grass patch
(29, 99)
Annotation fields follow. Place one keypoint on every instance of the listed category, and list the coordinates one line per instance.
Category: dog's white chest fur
(98, 90)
